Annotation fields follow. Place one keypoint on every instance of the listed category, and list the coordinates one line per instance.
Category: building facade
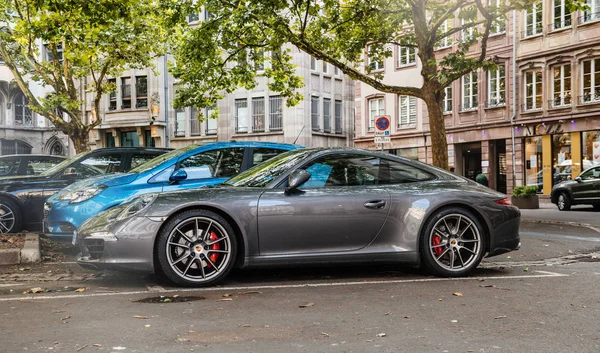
(532, 121)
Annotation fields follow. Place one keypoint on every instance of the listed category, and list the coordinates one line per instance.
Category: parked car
(308, 206)
(27, 164)
(583, 190)
(189, 167)
(22, 197)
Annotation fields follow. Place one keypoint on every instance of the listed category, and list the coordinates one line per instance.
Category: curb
(28, 254)
(560, 223)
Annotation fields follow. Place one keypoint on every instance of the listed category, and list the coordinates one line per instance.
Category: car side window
(140, 158)
(9, 166)
(223, 163)
(393, 172)
(36, 166)
(349, 170)
(96, 165)
(261, 155)
(591, 174)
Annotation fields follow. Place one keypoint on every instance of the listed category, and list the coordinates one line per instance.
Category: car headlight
(80, 195)
(134, 206)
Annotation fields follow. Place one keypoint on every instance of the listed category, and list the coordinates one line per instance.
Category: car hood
(565, 183)
(107, 180)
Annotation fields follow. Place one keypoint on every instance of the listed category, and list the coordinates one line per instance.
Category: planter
(526, 202)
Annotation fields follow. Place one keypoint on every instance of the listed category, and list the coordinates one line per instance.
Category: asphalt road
(542, 298)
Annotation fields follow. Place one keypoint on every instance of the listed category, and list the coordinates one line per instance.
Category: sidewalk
(582, 215)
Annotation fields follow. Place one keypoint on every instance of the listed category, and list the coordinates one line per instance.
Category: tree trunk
(437, 126)
(80, 141)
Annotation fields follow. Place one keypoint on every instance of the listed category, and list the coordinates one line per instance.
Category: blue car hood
(107, 180)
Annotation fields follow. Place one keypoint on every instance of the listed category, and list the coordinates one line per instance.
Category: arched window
(23, 115)
(57, 149)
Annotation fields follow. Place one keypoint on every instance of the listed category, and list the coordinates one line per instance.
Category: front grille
(92, 248)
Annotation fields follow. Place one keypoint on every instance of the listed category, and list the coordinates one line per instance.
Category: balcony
(589, 17)
(531, 107)
(496, 102)
(557, 26)
(590, 98)
(560, 102)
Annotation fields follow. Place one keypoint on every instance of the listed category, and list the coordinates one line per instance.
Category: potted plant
(525, 197)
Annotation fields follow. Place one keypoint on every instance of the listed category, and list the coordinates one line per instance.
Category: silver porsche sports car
(308, 206)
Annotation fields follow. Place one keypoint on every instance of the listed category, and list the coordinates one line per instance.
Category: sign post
(382, 130)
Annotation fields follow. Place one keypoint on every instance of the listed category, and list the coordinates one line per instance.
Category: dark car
(27, 164)
(307, 206)
(22, 197)
(583, 190)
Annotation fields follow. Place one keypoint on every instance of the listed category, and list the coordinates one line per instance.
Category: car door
(340, 208)
(587, 189)
(208, 168)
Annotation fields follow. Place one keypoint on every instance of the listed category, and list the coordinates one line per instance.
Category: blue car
(189, 167)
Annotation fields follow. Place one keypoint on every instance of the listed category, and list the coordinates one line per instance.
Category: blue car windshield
(264, 173)
(160, 159)
(64, 164)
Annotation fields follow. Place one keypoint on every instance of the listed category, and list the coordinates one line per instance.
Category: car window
(97, 165)
(347, 170)
(591, 174)
(393, 172)
(223, 163)
(264, 154)
(38, 165)
(9, 166)
(138, 159)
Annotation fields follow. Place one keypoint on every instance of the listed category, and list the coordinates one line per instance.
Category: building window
(497, 87)
(499, 25)
(325, 67)
(112, 97)
(561, 85)
(193, 17)
(591, 81)
(533, 90)
(241, 115)
(562, 15)
(593, 14)
(148, 139)
(110, 140)
(50, 56)
(314, 113)
(125, 92)
(338, 117)
(376, 108)
(469, 91)
(141, 92)
(180, 122)
(130, 139)
(446, 41)
(194, 122)
(406, 56)
(468, 34)
(23, 115)
(447, 100)
(275, 113)
(211, 124)
(533, 20)
(259, 59)
(408, 111)
(337, 71)
(374, 64)
(326, 115)
(258, 114)
(590, 148)
(313, 63)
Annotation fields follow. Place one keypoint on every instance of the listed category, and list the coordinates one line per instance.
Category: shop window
(533, 162)
(148, 141)
(110, 139)
(561, 157)
(590, 149)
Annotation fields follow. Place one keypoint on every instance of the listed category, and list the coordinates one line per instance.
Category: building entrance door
(471, 157)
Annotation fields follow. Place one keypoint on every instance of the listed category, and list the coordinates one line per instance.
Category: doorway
(471, 158)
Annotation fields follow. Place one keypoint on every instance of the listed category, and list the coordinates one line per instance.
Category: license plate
(74, 241)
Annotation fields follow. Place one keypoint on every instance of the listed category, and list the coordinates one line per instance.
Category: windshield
(262, 174)
(160, 159)
(64, 163)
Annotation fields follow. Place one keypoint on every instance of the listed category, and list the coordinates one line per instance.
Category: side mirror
(70, 173)
(297, 178)
(178, 175)
(578, 179)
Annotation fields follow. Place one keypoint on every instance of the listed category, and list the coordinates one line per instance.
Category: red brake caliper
(216, 246)
(437, 240)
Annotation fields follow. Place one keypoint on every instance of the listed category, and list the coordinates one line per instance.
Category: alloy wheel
(7, 219)
(198, 249)
(561, 202)
(455, 242)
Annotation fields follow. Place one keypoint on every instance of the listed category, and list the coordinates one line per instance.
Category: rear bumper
(505, 237)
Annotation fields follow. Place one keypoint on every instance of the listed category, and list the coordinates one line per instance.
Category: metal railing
(590, 98)
(560, 102)
(496, 102)
(566, 23)
(589, 17)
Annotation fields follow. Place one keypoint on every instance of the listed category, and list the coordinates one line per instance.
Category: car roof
(117, 149)
(223, 144)
(33, 155)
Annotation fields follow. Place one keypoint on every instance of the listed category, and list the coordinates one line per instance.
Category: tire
(448, 250)
(10, 216)
(192, 261)
(597, 206)
(563, 202)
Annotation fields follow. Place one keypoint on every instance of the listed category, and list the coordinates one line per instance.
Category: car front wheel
(452, 243)
(196, 248)
(563, 203)
(10, 217)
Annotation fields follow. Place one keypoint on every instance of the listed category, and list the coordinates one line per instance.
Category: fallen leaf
(66, 317)
(441, 299)
(225, 300)
(96, 345)
(381, 335)
(34, 290)
(388, 313)
(79, 290)
(454, 321)
(325, 334)
(139, 317)
(406, 317)
(227, 295)
(192, 331)
(306, 305)
(526, 269)
(500, 317)
(457, 294)
(146, 325)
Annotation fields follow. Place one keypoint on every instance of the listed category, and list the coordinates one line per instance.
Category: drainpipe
(514, 98)
(166, 99)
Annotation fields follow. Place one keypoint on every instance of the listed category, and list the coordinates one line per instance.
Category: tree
(218, 55)
(61, 44)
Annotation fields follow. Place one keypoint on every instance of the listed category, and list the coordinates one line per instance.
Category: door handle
(375, 204)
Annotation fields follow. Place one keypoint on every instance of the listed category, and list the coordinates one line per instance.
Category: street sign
(383, 139)
(382, 130)
(382, 123)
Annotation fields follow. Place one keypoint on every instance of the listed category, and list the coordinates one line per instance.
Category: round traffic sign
(382, 123)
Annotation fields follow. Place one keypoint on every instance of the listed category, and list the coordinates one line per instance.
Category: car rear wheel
(10, 217)
(452, 243)
(597, 206)
(563, 203)
(196, 248)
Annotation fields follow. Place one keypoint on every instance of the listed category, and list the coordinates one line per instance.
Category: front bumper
(126, 245)
(62, 218)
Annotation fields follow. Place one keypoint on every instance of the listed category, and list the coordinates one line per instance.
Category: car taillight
(505, 202)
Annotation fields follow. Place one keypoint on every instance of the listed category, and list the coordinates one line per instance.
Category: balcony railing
(589, 17)
(496, 102)
(532, 31)
(590, 98)
(566, 23)
(560, 102)
(531, 107)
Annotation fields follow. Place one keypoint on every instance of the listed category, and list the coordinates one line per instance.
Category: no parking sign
(382, 129)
